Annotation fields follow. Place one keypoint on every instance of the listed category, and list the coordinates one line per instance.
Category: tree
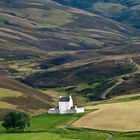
(16, 121)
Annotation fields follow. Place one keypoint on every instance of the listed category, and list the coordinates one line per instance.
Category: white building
(65, 107)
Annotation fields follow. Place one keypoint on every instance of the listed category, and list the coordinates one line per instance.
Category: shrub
(16, 121)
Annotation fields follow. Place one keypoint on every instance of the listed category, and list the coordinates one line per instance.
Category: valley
(48, 49)
(75, 55)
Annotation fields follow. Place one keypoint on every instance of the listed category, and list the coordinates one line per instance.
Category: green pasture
(57, 127)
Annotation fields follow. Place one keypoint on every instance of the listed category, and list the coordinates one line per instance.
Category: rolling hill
(124, 11)
(46, 45)
(17, 96)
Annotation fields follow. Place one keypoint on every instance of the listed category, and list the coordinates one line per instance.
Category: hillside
(125, 11)
(17, 96)
(50, 46)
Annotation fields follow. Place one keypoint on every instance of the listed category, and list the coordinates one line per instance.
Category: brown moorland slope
(17, 96)
(48, 45)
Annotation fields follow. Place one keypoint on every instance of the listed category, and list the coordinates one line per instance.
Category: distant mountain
(125, 11)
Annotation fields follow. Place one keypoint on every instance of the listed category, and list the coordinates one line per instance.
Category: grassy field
(70, 135)
(58, 127)
(44, 122)
(126, 136)
(67, 135)
(122, 117)
(32, 136)
(47, 122)
(54, 127)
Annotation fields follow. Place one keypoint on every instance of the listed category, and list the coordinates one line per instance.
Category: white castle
(65, 107)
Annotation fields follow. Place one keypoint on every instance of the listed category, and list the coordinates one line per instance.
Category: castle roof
(64, 99)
